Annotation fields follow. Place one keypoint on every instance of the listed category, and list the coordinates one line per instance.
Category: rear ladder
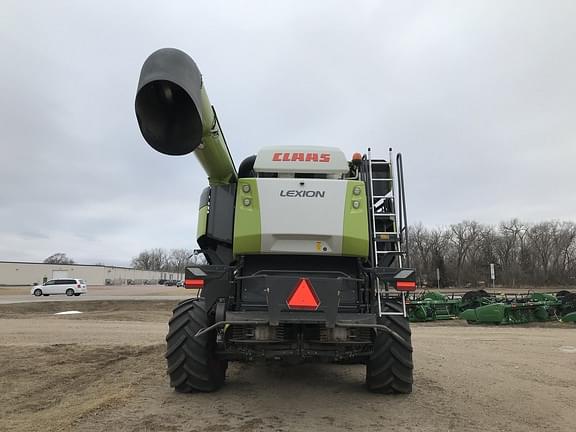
(387, 226)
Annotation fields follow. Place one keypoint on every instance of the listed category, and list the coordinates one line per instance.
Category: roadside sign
(492, 275)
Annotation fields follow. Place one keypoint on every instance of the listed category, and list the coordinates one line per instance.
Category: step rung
(384, 214)
(382, 179)
(386, 232)
(379, 162)
(391, 252)
(382, 196)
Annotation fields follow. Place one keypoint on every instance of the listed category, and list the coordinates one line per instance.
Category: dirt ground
(104, 370)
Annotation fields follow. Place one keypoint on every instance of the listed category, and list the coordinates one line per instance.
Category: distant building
(13, 273)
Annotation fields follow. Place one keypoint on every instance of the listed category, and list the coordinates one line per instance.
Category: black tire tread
(191, 364)
(390, 367)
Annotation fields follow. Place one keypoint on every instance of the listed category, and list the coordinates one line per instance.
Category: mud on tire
(390, 368)
(192, 365)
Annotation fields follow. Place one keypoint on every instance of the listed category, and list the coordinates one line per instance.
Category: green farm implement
(483, 307)
(535, 307)
(432, 306)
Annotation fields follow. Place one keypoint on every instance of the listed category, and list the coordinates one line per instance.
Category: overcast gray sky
(479, 96)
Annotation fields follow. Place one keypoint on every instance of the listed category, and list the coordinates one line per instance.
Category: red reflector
(405, 285)
(303, 296)
(193, 283)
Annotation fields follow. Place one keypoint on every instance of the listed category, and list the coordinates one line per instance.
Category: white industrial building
(26, 273)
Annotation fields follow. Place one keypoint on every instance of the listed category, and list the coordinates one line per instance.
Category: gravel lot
(104, 370)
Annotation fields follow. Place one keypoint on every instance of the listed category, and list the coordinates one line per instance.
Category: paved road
(10, 295)
(83, 298)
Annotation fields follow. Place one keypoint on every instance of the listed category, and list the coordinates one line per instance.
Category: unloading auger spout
(175, 115)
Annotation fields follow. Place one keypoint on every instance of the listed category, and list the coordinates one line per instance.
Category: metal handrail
(402, 205)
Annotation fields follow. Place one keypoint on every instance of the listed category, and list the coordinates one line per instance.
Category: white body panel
(308, 224)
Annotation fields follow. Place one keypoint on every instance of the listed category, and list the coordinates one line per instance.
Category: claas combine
(307, 250)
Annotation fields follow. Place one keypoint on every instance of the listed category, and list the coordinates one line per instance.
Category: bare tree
(152, 259)
(179, 259)
(463, 238)
(542, 239)
(420, 251)
(482, 253)
(562, 251)
(58, 258)
(509, 248)
(429, 252)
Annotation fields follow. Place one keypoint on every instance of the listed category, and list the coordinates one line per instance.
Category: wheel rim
(69, 292)
(38, 293)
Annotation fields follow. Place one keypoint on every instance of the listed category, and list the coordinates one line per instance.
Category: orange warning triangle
(303, 296)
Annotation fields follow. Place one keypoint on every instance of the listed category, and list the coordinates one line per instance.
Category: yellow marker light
(246, 188)
(356, 190)
(356, 204)
(247, 201)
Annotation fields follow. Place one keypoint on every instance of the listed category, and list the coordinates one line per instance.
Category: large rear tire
(390, 368)
(192, 364)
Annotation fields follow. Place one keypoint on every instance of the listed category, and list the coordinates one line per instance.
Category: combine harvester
(307, 249)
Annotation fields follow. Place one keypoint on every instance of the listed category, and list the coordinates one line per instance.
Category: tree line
(524, 254)
(173, 261)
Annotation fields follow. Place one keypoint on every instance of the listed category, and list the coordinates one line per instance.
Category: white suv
(70, 287)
